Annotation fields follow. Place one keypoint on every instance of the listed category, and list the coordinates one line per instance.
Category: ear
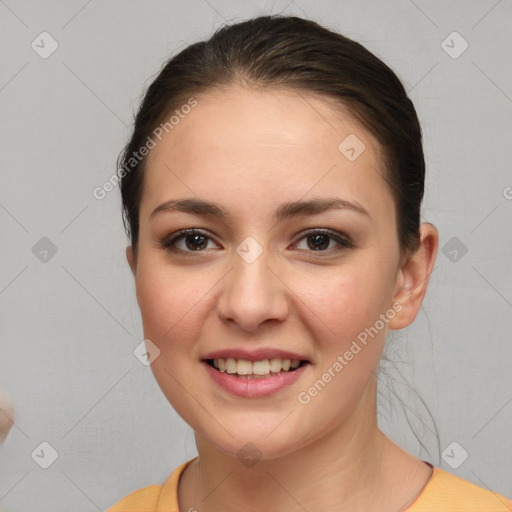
(413, 277)
(132, 259)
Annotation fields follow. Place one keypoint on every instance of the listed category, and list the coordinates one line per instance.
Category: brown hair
(294, 53)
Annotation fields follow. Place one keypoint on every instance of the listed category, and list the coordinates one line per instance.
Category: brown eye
(194, 241)
(324, 241)
(317, 242)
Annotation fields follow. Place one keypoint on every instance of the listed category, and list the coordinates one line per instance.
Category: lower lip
(254, 388)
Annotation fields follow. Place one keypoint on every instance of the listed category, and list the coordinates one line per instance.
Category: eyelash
(169, 242)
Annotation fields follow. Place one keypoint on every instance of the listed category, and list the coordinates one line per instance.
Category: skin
(6, 416)
(251, 150)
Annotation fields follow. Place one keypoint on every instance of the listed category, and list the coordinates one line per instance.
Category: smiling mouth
(265, 368)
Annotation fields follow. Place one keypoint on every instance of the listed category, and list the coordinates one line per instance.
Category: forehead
(240, 143)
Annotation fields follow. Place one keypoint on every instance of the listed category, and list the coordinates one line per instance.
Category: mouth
(260, 369)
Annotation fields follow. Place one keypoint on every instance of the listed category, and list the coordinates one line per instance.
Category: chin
(254, 449)
(255, 443)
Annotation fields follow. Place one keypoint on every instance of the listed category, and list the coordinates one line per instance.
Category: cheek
(348, 303)
(345, 300)
(170, 301)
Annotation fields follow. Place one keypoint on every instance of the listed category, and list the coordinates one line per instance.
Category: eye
(193, 241)
(320, 240)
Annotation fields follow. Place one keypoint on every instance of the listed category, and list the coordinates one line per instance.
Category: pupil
(197, 238)
(320, 241)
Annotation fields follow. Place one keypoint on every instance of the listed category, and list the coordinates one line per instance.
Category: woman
(272, 191)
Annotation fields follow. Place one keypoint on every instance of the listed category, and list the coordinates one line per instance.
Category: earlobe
(130, 256)
(413, 278)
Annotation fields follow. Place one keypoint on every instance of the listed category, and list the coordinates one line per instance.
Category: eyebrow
(284, 211)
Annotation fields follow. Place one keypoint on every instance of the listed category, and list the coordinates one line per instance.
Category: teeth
(275, 365)
(230, 365)
(262, 367)
(243, 367)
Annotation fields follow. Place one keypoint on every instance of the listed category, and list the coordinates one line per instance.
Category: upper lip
(254, 355)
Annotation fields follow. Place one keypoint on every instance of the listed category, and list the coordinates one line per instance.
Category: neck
(352, 467)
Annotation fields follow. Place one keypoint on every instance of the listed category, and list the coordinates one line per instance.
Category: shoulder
(445, 492)
(154, 497)
(142, 500)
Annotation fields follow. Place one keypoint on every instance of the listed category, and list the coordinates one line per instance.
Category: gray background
(70, 323)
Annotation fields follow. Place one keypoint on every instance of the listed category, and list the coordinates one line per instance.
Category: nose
(253, 294)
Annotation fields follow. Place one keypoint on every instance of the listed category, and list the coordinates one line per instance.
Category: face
(307, 284)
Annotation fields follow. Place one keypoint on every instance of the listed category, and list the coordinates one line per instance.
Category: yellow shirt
(443, 492)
